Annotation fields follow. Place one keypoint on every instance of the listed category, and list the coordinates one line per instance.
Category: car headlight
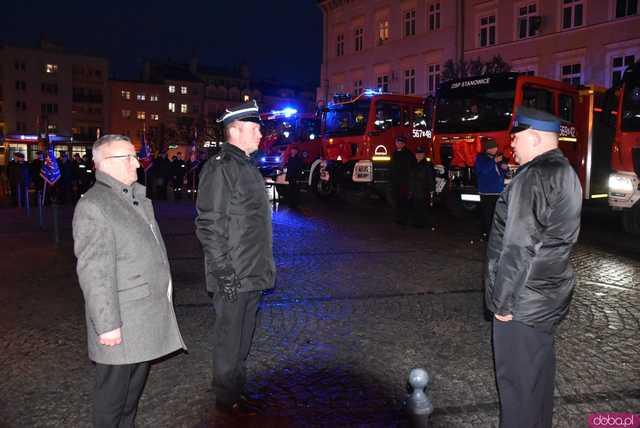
(620, 183)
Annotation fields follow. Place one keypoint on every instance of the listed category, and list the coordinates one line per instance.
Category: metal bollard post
(418, 405)
(27, 201)
(40, 210)
(56, 229)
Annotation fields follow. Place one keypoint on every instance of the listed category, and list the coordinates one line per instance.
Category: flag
(50, 171)
(144, 157)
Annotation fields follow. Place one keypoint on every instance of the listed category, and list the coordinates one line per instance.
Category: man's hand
(111, 338)
(229, 286)
(498, 158)
(504, 318)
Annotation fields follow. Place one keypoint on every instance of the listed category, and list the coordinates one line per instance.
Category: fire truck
(282, 130)
(624, 182)
(358, 137)
(467, 110)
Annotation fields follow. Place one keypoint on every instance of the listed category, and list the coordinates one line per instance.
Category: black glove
(228, 286)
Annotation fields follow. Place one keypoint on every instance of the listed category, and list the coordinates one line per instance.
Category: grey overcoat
(124, 273)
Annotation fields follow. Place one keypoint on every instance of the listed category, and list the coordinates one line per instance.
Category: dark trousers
(233, 333)
(487, 207)
(525, 366)
(117, 392)
(293, 193)
(402, 203)
(421, 213)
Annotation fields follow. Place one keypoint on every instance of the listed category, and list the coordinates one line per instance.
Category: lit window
(434, 16)
(141, 97)
(183, 90)
(172, 107)
(172, 89)
(140, 115)
(126, 113)
(51, 68)
(155, 117)
(528, 20)
(126, 95)
(383, 31)
(487, 30)
(183, 108)
(433, 78)
(572, 13)
(619, 63)
(153, 98)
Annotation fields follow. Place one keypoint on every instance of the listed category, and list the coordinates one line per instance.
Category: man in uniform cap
(423, 184)
(234, 228)
(529, 279)
(402, 164)
(490, 173)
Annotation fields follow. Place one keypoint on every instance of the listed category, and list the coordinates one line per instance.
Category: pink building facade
(401, 46)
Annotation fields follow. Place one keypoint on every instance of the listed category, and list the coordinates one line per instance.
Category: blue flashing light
(371, 92)
(278, 159)
(286, 112)
(263, 159)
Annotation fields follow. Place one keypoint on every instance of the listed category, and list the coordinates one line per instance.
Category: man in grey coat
(124, 274)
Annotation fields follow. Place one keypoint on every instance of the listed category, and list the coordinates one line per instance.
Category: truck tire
(631, 219)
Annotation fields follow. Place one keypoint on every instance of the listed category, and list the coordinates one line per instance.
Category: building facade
(402, 46)
(47, 91)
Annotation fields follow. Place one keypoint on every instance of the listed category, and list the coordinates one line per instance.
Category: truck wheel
(323, 189)
(631, 219)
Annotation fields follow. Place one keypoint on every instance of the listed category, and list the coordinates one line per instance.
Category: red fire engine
(282, 130)
(469, 109)
(624, 183)
(358, 137)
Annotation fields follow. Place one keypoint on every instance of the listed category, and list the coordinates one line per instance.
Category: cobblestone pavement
(358, 303)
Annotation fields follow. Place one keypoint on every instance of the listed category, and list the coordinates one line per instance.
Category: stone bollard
(418, 405)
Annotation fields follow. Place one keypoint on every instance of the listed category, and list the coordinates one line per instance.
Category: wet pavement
(359, 302)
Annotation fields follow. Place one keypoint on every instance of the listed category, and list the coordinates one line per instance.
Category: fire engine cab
(358, 138)
(624, 183)
(467, 110)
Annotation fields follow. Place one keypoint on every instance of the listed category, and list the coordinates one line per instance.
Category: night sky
(276, 38)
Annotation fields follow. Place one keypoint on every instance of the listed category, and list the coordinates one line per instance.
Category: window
(357, 87)
(410, 23)
(572, 11)
(626, 8)
(140, 115)
(52, 128)
(126, 114)
(433, 78)
(487, 30)
(22, 106)
(50, 88)
(434, 16)
(183, 108)
(537, 98)
(566, 107)
(383, 83)
(126, 95)
(359, 33)
(141, 97)
(528, 20)
(410, 81)
(183, 90)
(387, 115)
(340, 44)
(155, 117)
(172, 89)
(49, 108)
(383, 31)
(172, 107)
(51, 68)
(21, 85)
(571, 73)
(618, 65)
(153, 98)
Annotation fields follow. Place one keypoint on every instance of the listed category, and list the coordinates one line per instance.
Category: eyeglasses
(130, 157)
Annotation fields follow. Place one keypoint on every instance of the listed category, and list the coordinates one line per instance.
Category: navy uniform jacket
(234, 222)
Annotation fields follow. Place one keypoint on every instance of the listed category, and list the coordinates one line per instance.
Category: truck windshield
(475, 105)
(309, 127)
(347, 119)
(631, 103)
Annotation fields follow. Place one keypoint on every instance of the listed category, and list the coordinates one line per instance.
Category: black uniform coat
(234, 222)
(536, 222)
